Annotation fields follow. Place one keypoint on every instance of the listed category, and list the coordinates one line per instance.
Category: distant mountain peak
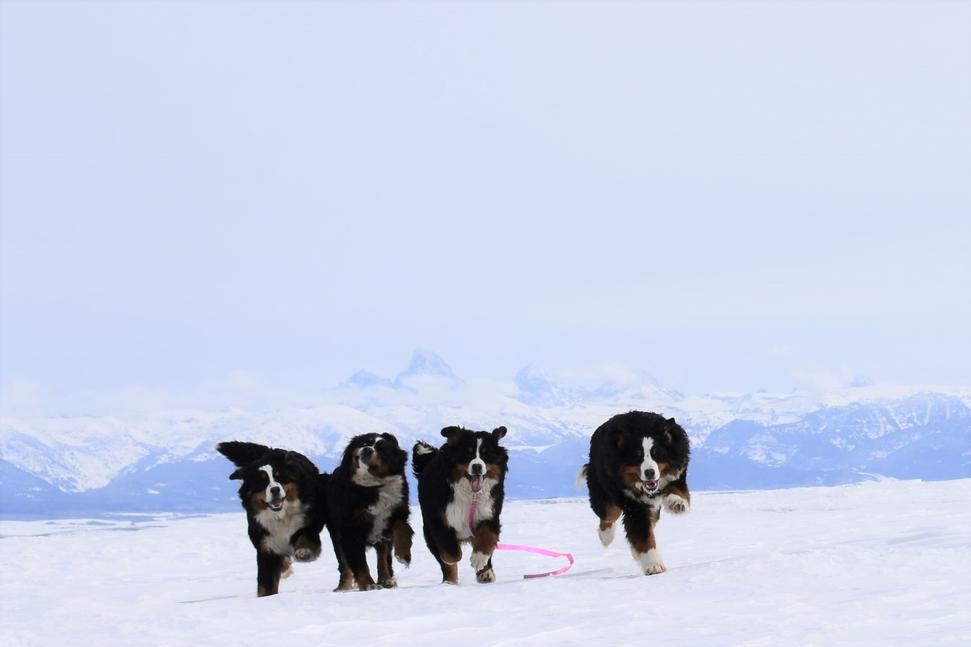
(426, 362)
(365, 379)
(535, 388)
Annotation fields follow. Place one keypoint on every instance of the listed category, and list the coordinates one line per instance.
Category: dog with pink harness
(460, 491)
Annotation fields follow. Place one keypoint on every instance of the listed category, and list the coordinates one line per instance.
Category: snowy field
(880, 563)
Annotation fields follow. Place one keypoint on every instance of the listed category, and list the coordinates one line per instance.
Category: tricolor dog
(281, 493)
(367, 505)
(460, 490)
(638, 463)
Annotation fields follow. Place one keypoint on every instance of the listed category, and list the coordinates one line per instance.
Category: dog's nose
(275, 491)
(475, 469)
(649, 474)
(366, 454)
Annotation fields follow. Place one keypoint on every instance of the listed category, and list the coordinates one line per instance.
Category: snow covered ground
(881, 563)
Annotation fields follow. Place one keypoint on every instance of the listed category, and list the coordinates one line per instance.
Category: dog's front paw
(388, 583)
(650, 562)
(305, 554)
(403, 556)
(373, 586)
(676, 504)
(479, 561)
(486, 576)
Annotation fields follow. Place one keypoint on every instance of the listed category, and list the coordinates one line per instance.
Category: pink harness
(527, 549)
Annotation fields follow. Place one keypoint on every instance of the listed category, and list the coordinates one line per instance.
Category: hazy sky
(726, 195)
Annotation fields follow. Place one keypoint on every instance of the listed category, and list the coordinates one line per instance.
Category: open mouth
(476, 482)
(276, 505)
(650, 486)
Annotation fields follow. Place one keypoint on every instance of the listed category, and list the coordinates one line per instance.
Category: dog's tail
(582, 476)
(421, 455)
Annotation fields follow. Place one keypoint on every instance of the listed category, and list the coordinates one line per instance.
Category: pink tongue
(477, 483)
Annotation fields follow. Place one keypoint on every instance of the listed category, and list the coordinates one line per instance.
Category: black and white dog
(285, 508)
(460, 490)
(367, 505)
(638, 462)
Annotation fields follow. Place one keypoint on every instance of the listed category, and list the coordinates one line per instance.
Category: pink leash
(526, 549)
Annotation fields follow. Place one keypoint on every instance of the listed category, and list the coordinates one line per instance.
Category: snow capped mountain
(164, 460)
(533, 387)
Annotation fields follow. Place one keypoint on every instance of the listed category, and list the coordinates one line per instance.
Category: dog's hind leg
(287, 569)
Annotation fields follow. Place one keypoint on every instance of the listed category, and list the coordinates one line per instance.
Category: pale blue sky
(726, 195)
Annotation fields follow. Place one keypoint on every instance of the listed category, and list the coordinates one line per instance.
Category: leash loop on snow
(526, 549)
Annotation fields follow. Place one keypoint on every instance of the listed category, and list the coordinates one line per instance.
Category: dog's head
(475, 455)
(652, 451)
(371, 459)
(270, 477)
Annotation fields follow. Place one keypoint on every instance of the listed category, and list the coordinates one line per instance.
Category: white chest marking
(457, 511)
(281, 526)
(389, 497)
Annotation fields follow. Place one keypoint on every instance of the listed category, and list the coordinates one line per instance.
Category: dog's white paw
(607, 535)
(389, 583)
(479, 561)
(304, 555)
(676, 504)
(485, 577)
(650, 562)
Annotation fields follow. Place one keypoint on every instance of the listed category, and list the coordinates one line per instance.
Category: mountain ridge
(165, 459)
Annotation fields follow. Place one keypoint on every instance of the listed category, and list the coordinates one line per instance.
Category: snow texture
(877, 563)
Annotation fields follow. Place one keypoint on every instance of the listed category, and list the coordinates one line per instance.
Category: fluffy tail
(421, 455)
(582, 476)
(241, 453)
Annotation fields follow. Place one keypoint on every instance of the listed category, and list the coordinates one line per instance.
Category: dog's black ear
(618, 438)
(390, 438)
(301, 464)
(237, 475)
(398, 461)
(499, 433)
(241, 453)
(669, 426)
(452, 434)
